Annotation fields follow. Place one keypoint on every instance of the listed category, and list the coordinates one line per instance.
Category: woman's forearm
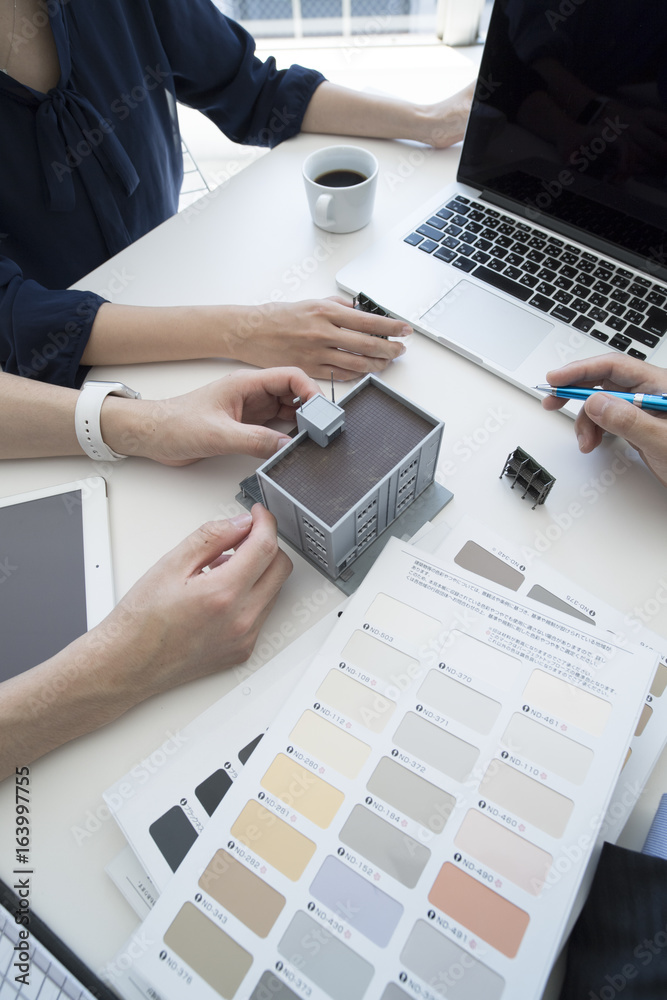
(139, 334)
(335, 110)
(318, 336)
(75, 692)
(37, 420)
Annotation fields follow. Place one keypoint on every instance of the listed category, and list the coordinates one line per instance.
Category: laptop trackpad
(486, 325)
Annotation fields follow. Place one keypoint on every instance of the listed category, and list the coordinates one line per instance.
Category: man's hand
(645, 430)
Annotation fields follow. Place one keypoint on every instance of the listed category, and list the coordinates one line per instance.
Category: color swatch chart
(162, 809)
(166, 800)
(417, 820)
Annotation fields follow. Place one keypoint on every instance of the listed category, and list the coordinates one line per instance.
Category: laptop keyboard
(593, 295)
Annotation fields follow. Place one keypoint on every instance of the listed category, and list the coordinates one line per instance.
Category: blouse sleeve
(54, 328)
(215, 70)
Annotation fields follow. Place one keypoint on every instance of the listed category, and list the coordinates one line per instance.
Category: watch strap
(87, 418)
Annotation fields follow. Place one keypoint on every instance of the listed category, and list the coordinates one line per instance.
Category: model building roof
(379, 433)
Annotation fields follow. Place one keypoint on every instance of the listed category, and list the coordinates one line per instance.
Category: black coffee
(340, 178)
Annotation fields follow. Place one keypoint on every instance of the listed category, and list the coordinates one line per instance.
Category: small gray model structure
(332, 502)
(532, 477)
(322, 419)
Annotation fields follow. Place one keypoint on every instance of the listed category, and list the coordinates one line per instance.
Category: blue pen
(640, 399)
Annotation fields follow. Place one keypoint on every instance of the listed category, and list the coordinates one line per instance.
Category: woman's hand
(320, 336)
(225, 417)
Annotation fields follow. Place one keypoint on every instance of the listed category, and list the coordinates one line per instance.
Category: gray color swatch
(394, 992)
(436, 746)
(329, 963)
(385, 845)
(416, 797)
(484, 563)
(271, 988)
(544, 596)
(447, 969)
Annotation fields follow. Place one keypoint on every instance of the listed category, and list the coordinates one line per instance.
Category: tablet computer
(55, 570)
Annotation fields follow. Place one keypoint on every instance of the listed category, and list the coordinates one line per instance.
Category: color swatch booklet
(164, 803)
(418, 818)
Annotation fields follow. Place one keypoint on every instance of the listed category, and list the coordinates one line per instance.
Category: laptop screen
(569, 123)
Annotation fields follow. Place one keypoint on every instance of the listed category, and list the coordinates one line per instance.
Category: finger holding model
(197, 611)
(226, 417)
(645, 429)
(200, 608)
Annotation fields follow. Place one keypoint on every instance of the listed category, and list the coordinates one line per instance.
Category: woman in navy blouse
(91, 160)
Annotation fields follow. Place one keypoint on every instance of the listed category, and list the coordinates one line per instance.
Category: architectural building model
(321, 419)
(340, 483)
(532, 477)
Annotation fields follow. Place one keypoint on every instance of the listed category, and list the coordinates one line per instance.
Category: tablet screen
(43, 604)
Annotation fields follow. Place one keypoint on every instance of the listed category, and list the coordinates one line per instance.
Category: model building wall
(331, 503)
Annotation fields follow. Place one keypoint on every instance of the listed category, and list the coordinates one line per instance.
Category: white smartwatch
(87, 417)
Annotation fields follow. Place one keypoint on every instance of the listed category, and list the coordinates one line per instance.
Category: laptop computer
(552, 244)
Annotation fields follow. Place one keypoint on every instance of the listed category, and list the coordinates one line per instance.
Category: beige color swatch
(213, 955)
(302, 790)
(355, 701)
(330, 744)
(532, 801)
(241, 892)
(275, 841)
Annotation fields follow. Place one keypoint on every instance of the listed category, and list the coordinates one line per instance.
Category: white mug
(336, 208)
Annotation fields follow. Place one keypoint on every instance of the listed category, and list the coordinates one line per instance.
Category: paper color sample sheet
(145, 801)
(473, 547)
(401, 821)
(164, 803)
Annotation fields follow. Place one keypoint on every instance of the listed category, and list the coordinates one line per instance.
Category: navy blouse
(94, 164)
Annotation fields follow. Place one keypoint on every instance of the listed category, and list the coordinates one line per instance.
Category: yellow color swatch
(302, 790)
(275, 841)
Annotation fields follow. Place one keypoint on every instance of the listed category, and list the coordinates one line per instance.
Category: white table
(252, 240)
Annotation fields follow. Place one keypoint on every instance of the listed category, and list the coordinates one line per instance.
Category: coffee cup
(340, 185)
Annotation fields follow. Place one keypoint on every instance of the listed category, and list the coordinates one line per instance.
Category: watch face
(114, 388)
